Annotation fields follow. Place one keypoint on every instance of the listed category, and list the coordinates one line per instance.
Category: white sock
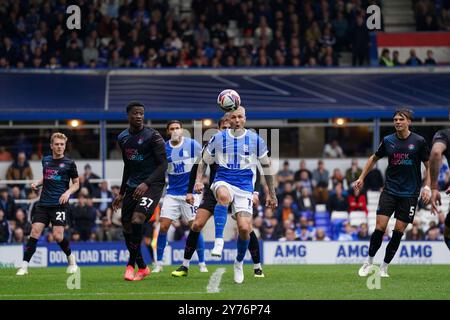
(159, 263)
(384, 265)
(369, 260)
(235, 261)
(25, 264)
(201, 263)
(257, 266)
(186, 263)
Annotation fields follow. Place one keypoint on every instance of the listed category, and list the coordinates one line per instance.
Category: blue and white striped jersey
(237, 157)
(180, 161)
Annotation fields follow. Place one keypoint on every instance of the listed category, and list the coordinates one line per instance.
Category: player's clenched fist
(190, 198)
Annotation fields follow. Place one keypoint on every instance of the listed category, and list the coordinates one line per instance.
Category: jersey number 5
(146, 202)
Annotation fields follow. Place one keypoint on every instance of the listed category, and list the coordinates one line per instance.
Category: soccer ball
(228, 100)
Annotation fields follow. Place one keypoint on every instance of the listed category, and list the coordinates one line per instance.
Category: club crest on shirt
(62, 165)
(140, 140)
(411, 147)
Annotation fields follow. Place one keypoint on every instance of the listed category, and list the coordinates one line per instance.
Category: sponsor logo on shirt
(401, 159)
(51, 174)
(133, 154)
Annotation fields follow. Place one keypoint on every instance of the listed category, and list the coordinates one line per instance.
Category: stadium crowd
(432, 15)
(299, 193)
(153, 34)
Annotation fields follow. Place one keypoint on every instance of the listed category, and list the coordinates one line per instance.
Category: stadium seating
(357, 217)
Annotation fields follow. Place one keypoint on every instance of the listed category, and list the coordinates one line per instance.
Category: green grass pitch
(293, 282)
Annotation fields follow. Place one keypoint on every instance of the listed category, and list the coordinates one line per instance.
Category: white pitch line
(268, 86)
(214, 281)
(98, 294)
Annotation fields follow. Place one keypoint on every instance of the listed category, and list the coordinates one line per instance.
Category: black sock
(191, 244)
(65, 246)
(30, 249)
(253, 247)
(135, 245)
(375, 242)
(139, 260)
(447, 242)
(392, 246)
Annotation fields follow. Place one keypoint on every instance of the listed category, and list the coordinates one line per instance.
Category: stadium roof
(358, 93)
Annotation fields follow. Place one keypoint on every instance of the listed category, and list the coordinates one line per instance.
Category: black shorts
(145, 205)
(404, 207)
(56, 214)
(209, 202)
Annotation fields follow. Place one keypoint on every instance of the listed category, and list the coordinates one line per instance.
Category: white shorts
(175, 207)
(241, 201)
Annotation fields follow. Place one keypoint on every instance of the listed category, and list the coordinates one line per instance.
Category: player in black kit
(405, 151)
(205, 211)
(441, 146)
(58, 170)
(145, 164)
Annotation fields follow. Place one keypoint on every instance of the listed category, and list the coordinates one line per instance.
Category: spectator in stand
(22, 144)
(374, 180)
(18, 236)
(85, 180)
(444, 177)
(413, 60)
(284, 175)
(83, 218)
(4, 228)
(298, 173)
(385, 59)
(337, 201)
(305, 182)
(287, 208)
(7, 204)
(289, 235)
(395, 58)
(434, 234)
(348, 233)
(363, 232)
(357, 201)
(104, 232)
(320, 235)
(5, 155)
(16, 194)
(429, 61)
(352, 174)
(306, 201)
(359, 36)
(288, 190)
(444, 20)
(20, 170)
(22, 222)
(270, 224)
(304, 223)
(320, 182)
(415, 233)
(333, 150)
(337, 177)
(106, 195)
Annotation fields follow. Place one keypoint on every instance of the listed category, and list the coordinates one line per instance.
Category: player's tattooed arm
(198, 187)
(271, 200)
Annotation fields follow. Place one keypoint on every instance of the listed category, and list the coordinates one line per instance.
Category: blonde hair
(58, 135)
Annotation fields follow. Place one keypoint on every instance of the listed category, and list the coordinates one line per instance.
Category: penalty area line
(214, 281)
